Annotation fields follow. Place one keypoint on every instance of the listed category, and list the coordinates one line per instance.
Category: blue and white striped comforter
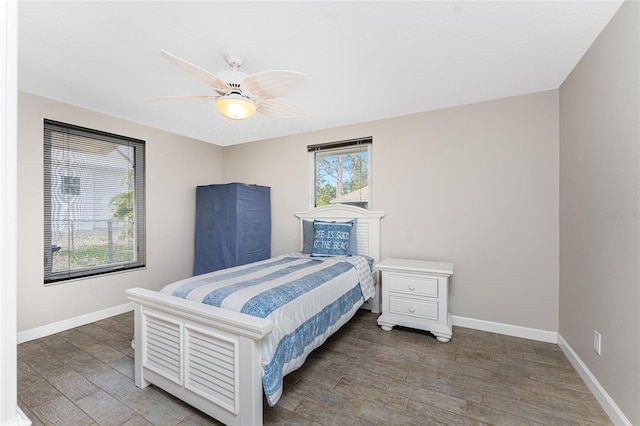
(307, 298)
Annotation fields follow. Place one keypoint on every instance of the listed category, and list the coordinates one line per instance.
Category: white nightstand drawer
(413, 308)
(413, 284)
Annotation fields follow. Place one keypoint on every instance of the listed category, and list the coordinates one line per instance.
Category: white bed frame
(210, 357)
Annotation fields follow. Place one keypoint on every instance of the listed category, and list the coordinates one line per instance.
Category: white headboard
(368, 230)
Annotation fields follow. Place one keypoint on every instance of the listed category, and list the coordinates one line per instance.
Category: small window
(93, 202)
(341, 173)
(70, 185)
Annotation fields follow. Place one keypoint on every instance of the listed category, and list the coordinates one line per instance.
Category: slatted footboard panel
(201, 361)
(162, 342)
(211, 367)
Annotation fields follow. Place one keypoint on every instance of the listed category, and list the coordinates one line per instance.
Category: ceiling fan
(239, 95)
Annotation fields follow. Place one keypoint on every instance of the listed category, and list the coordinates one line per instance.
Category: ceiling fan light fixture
(235, 107)
(239, 95)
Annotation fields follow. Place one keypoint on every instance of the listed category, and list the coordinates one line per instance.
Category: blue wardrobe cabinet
(233, 226)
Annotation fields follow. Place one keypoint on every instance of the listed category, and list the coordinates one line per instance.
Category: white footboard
(208, 357)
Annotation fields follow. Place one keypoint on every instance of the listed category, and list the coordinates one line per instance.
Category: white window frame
(51, 277)
(336, 147)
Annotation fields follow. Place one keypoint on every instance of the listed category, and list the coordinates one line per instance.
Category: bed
(226, 362)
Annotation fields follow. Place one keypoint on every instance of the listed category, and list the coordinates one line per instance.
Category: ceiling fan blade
(281, 108)
(186, 98)
(195, 71)
(271, 84)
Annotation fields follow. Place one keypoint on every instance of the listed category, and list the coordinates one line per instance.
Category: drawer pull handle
(412, 287)
(412, 309)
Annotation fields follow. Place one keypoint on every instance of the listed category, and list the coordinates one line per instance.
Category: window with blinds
(341, 173)
(93, 202)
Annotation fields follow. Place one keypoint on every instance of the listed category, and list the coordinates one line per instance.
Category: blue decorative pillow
(331, 238)
(353, 241)
(307, 237)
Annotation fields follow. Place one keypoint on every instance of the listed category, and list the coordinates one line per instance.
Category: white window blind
(93, 202)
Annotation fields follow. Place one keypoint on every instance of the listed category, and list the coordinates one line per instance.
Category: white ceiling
(363, 60)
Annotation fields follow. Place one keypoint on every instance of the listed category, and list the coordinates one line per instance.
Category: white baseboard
(608, 404)
(507, 329)
(22, 419)
(57, 327)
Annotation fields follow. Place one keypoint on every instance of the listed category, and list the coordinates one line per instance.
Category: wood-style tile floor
(361, 376)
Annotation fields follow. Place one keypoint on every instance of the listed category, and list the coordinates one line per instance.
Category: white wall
(476, 185)
(600, 208)
(175, 165)
(10, 414)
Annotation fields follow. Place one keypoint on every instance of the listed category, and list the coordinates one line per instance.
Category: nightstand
(415, 293)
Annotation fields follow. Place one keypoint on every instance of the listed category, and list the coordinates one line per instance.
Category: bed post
(137, 347)
(251, 393)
